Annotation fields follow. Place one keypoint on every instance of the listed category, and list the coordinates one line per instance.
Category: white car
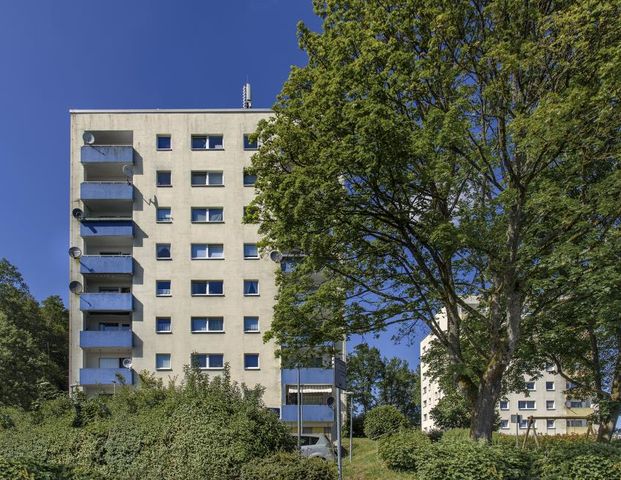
(317, 446)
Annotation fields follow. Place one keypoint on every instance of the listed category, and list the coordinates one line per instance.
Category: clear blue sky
(63, 54)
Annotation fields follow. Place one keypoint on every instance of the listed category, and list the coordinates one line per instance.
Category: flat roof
(178, 110)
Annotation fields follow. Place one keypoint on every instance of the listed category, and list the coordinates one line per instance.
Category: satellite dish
(330, 401)
(77, 213)
(127, 363)
(128, 171)
(276, 256)
(88, 138)
(75, 287)
(75, 252)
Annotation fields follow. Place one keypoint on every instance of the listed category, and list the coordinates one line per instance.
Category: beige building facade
(164, 271)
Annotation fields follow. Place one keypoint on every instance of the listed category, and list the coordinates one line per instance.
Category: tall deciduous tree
(432, 150)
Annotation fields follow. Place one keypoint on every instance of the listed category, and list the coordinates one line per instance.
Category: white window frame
(249, 149)
(553, 407)
(258, 330)
(207, 250)
(207, 210)
(169, 219)
(534, 384)
(207, 324)
(553, 389)
(500, 405)
(258, 367)
(157, 247)
(208, 142)
(157, 330)
(258, 256)
(157, 183)
(548, 427)
(504, 424)
(163, 294)
(208, 176)
(208, 282)
(258, 288)
(163, 135)
(208, 361)
(169, 367)
(534, 407)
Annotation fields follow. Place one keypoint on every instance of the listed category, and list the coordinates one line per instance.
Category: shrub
(456, 435)
(402, 450)
(435, 435)
(288, 466)
(468, 460)
(384, 420)
(579, 460)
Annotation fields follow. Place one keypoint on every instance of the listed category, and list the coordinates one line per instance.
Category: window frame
(208, 137)
(157, 253)
(507, 407)
(553, 389)
(157, 179)
(207, 249)
(548, 421)
(208, 360)
(534, 384)
(163, 369)
(192, 330)
(207, 209)
(258, 294)
(244, 175)
(157, 142)
(258, 367)
(164, 332)
(258, 330)
(246, 141)
(208, 282)
(167, 220)
(553, 407)
(534, 407)
(207, 176)
(246, 257)
(504, 424)
(163, 294)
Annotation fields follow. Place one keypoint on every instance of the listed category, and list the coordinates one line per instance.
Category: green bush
(456, 435)
(384, 420)
(288, 466)
(468, 460)
(402, 450)
(205, 428)
(579, 460)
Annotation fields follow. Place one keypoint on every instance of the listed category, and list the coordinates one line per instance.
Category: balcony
(310, 413)
(106, 302)
(323, 376)
(106, 339)
(107, 228)
(105, 376)
(106, 154)
(106, 264)
(106, 192)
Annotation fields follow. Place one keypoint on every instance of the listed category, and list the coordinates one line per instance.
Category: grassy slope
(366, 464)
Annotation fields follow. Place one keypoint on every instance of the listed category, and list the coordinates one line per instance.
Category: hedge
(383, 420)
(403, 450)
(289, 466)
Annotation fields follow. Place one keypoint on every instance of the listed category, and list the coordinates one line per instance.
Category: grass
(366, 465)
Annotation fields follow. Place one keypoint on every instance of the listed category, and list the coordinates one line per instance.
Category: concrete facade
(110, 230)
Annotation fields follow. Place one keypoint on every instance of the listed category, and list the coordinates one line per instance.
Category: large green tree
(431, 150)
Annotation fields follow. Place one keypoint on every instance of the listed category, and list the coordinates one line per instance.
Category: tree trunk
(484, 411)
(607, 427)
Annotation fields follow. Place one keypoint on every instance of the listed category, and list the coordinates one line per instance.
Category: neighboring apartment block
(164, 270)
(545, 398)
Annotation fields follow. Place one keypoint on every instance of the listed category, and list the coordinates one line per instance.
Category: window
(250, 214)
(249, 179)
(162, 361)
(207, 324)
(163, 178)
(207, 142)
(577, 404)
(208, 361)
(207, 179)
(248, 143)
(530, 386)
(162, 288)
(162, 251)
(163, 325)
(504, 424)
(550, 405)
(251, 251)
(251, 324)
(113, 326)
(550, 386)
(524, 423)
(251, 287)
(569, 385)
(163, 142)
(504, 404)
(251, 361)
(550, 424)
(207, 215)
(207, 251)
(164, 215)
(288, 264)
(526, 405)
(207, 287)
(576, 423)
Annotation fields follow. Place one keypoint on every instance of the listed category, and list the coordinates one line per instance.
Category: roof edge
(177, 110)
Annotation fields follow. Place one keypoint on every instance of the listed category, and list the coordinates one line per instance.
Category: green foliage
(581, 460)
(456, 435)
(402, 451)
(451, 411)
(203, 428)
(383, 420)
(288, 466)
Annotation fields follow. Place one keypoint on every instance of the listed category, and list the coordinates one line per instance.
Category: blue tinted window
(249, 180)
(251, 287)
(199, 142)
(199, 324)
(163, 142)
(216, 214)
(162, 287)
(251, 360)
(251, 250)
(164, 179)
(162, 361)
(164, 215)
(163, 324)
(216, 287)
(251, 324)
(216, 361)
(249, 145)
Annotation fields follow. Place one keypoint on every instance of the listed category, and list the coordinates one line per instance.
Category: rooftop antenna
(246, 96)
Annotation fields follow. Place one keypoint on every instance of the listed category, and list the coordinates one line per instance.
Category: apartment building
(547, 398)
(163, 270)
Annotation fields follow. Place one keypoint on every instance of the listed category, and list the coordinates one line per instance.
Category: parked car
(317, 446)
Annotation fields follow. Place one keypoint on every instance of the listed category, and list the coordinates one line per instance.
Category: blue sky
(121, 54)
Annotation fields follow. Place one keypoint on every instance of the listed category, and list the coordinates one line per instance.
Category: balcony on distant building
(106, 302)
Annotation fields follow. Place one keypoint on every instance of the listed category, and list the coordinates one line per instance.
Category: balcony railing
(308, 375)
(106, 302)
(310, 413)
(107, 228)
(106, 339)
(97, 154)
(106, 191)
(106, 376)
(106, 264)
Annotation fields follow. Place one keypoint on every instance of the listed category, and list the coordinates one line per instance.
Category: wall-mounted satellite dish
(88, 138)
(276, 256)
(128, 171)
(127, 363)
(75, 252)
(75, 287)
(77, 213)
(330, 401)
